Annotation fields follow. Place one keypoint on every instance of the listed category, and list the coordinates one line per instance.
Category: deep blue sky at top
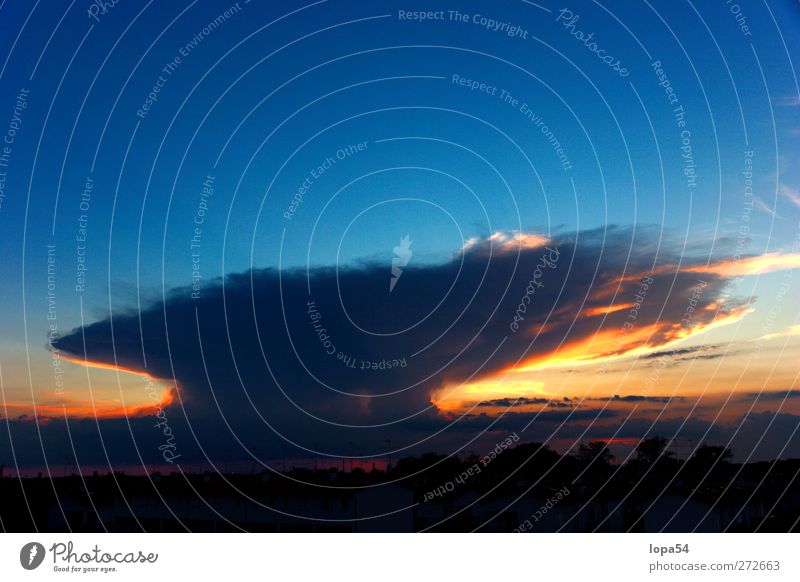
(349, 72)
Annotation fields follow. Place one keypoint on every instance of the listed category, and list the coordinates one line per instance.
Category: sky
(204, 205)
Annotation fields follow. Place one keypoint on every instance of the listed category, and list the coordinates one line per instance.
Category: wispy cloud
(791, 331)
(755, 265)
(763, 206)
(788, 101)
(792, 194)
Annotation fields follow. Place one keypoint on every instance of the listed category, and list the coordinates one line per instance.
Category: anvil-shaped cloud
(328, 355)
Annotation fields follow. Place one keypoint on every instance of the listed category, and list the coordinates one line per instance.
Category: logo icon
(403, 255)
(31, 555)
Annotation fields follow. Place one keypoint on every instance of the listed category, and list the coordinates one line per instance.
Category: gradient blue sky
(151, 183)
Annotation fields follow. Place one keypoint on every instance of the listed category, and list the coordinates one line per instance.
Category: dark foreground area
(523, 488)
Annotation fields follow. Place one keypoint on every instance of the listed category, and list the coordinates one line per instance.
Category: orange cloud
(86, 408)
(99, 407)
(605, 346)
(455, 397)
(610, 344)
(605, 310)
(760, 265)
(104, 366)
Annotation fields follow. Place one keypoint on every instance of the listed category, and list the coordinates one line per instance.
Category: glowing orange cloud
(767, 263)
(104, 366)
(610, 344)
(86, 408)
(605, 310)
(606, 344)
(98, 408)
(454, 398)
(603, 347)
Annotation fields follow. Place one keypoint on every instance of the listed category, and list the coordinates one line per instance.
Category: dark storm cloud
(268, 355)
(709, 352)
(639, 398)
(635, 398)
(773, 395)
(510, 402)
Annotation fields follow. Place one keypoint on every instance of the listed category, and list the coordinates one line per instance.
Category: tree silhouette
(595, 452)
(651, 449)
(707, 455)
(708, 466)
